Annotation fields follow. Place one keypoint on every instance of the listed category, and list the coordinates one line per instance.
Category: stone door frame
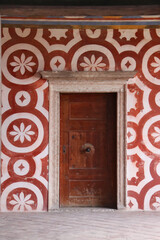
(86, 82)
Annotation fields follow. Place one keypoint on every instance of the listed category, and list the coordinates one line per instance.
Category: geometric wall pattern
(24, 158)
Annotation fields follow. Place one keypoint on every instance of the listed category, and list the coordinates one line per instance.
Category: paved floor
(84, 224)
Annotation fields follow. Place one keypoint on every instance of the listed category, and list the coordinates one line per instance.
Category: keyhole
(88, 150)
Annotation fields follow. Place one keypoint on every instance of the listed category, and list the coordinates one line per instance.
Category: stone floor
(84, 224)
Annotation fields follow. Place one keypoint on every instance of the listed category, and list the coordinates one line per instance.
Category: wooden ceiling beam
(44, 11)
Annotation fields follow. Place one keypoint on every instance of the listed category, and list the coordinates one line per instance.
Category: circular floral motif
(157, 99)
(93, 64)
(22, 196)
(22, 200)
(21, 64)
(93, 57)
(22, 135)
(155, 201)
(154, 134)
(151, 200)
(92, 61)
(150, 65)
(158, 169)
(150, 134)
(154, 64)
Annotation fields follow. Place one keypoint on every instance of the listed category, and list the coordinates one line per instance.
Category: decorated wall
(81, 44)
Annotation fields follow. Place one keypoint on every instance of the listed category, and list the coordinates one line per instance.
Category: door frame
(86, 82)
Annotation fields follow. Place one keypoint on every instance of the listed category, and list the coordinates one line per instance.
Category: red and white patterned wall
(25, 52)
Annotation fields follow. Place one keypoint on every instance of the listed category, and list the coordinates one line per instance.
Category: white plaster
(40, 100)
(77, 38)
(128, 47)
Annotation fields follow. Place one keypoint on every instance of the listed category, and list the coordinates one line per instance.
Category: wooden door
(88, 150)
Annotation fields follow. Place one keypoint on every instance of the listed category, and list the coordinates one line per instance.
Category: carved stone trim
(78, 82)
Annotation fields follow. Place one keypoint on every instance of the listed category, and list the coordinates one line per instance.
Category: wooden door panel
(86, 125)
(87, 188)
(86, 110)
(64, 171)
(78, 158)
(88, 150)
(88, 173)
